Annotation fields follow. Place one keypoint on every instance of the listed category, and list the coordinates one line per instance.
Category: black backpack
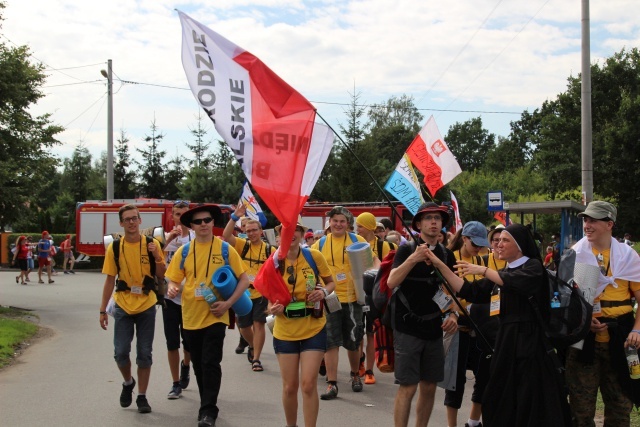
(159, 287)
(571, 322)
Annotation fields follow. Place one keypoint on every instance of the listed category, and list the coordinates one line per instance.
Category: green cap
(600, 210)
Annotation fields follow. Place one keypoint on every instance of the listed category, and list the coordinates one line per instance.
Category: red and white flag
(267, 124)
(458, 221)
(430, 154)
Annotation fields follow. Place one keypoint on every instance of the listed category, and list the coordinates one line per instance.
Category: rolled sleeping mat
(109, 238)
(361, 259)
(225, 282)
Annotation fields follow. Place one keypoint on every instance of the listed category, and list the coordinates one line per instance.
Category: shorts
(345, 328)
(258, 313)
(126, 326)
(173, 330)
(30, 263)
(318, 342)
(368, 320)
(43, 261)
(69, 255)
(417, 359)
(22, 264)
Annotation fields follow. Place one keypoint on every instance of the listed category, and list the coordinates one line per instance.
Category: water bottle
(318, 307)
(311, 286)
(555, 301)
(633, 362)
(208, 294)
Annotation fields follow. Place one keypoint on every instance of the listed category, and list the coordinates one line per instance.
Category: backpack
(383, 343)
(245, 250)
(571, 322)
(185, 252)
(159, 287)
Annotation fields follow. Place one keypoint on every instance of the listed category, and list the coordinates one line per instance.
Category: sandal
(250, 354)
(17, 277)
(256, 366)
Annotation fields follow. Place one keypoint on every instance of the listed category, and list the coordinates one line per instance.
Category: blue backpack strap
(322, 241)
(225, 252)
(185, 252)
(306, 252)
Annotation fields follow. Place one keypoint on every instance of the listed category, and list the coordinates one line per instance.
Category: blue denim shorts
(318, 342)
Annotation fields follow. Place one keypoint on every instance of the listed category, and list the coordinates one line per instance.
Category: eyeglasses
(432, 217)
(181, 203)
(292, 279)
(206, 220)
(130, 220)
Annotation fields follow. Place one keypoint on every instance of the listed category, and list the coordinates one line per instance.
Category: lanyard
(333, 262)
(195, 271)
(251, 254)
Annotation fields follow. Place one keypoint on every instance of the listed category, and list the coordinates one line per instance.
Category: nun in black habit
(524, 388)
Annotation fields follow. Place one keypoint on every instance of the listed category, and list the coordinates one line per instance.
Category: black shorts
(257, 314)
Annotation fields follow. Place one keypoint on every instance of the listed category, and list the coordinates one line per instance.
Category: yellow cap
(367, 220)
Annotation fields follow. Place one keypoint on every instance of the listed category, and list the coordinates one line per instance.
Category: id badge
(443, 300)
(199, 295)
(494, 306)
(136, 290)
(341, 277)
(597, 309)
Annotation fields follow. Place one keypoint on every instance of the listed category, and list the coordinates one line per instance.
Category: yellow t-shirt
(301, 328)
(199, 268)
(494, 263)
(476, 260)
(623, 292)
(253, 260)
(134, 265)
(386, 248)
(334, 251)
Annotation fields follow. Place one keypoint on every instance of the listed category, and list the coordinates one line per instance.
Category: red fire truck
(95, 219)
(314, 213)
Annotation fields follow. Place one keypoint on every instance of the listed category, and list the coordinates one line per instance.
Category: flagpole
(415, 238)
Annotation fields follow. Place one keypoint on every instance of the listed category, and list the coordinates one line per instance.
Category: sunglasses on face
(206, 220)
(474, 245)
(292, 279)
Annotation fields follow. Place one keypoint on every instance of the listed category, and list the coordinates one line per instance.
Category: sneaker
(175, 392)
(27, 280)
(126, 397)
(361, 368)
(331, 393)
(66, 272)
(241, 345)
(207, 421)
(184, 375)
(368, 377)
(323, 369)
(51, 281)
(40, 281)
(356, 383)
(467, 425)
(143, 405)
(72, 272)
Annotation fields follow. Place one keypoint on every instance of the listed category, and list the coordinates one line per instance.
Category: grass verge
(13, 331)
(635, 414)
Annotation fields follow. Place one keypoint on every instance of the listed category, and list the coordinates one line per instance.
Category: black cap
(214, 210)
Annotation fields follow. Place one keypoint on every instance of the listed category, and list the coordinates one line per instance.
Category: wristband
(234, 216)
(103, 312)
(637, 331)
(326, 293)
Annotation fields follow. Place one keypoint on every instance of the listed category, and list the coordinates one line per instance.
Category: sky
(458, 59)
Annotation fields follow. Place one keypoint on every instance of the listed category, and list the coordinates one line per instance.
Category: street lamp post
(108, 74)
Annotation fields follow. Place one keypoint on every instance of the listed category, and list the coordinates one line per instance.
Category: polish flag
(268, 125)
(430, 154)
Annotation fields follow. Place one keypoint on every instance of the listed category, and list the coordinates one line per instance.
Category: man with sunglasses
(254, 252)
(602, 363)
(416, 316)
(204, 324)
(172, 309)
(134, 303)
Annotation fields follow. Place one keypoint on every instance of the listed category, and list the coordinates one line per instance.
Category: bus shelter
(570, 224)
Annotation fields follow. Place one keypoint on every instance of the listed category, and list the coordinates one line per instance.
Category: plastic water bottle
(311, 286)
(208, 294)
(555, 301)
(318, 307)
(633, 362)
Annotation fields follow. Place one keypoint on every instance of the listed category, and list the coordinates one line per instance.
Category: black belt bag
(301, 312)
(610, 304)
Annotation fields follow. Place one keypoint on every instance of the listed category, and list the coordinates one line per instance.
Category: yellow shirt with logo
(624, 291)
(253, 260)
(334, 251)
(134, 266)
(202, 260)
(301, 328)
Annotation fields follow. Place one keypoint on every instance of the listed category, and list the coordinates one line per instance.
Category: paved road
(71, 379)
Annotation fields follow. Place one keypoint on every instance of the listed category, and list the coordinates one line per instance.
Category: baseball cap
(477, 232)
(600, 210)
(379, 225)
(44, 233)
(308, 235)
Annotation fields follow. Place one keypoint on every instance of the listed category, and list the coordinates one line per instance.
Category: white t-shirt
(170, 249)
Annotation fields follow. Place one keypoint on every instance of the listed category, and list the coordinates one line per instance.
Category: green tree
(77, 174)
(200, 146)
(25, 141)
(124, 179)
(174, 174)
(470, 143)
(151, 170)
